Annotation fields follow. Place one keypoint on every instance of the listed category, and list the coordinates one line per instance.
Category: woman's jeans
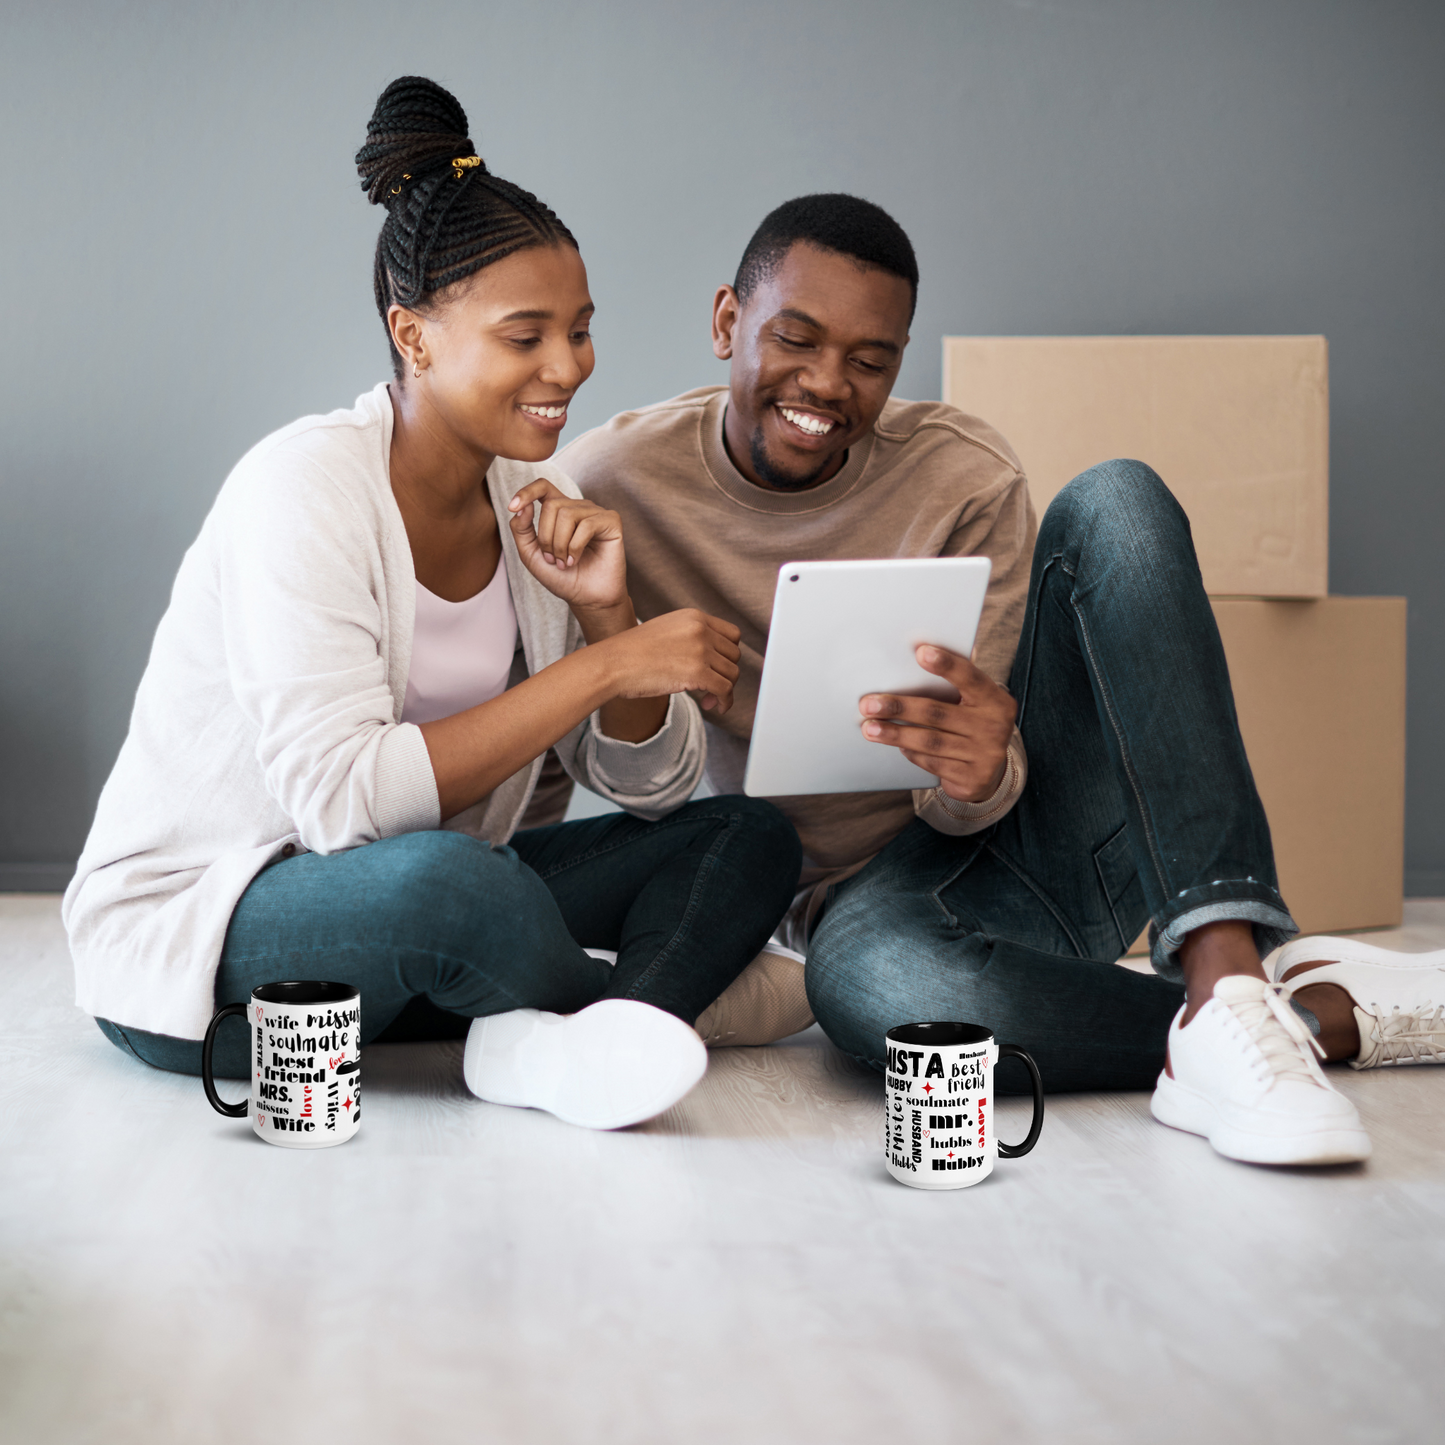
(1139, 806)
(436, 929)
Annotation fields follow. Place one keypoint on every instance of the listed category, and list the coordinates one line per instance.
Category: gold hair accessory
(464, 163)
(396, 190)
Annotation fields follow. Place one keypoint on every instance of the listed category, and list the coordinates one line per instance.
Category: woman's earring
(415, 369)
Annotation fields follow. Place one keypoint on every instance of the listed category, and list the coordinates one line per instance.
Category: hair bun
(416, 131)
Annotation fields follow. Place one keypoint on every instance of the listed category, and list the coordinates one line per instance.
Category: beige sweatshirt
(928, 482)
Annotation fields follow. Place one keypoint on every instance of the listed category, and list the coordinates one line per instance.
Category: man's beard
(780, 481)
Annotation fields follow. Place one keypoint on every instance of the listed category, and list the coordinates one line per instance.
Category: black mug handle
(208, 1077)
(1014, 1151)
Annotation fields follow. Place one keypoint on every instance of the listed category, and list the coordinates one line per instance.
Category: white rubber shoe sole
(613, 1064)
(1184, 1108)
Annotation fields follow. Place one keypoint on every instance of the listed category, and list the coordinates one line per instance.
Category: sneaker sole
(1185, 1109)
(627, 1063)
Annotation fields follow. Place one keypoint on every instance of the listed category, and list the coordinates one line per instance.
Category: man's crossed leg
(1140, 806)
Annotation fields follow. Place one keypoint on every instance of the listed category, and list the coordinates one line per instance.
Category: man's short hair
(848, 225)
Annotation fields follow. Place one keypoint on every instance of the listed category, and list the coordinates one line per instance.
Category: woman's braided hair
(447, 215)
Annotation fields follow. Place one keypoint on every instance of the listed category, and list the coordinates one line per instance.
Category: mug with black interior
(938, 1104)
(305, 1063)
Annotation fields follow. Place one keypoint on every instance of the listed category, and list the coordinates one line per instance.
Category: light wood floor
(740, 1270)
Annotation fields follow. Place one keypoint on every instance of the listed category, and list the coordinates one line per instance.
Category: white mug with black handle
(305, 1063)
(938, 1105)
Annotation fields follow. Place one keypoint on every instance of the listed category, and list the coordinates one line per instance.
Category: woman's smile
(551, 416)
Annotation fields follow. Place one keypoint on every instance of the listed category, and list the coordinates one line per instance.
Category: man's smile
(810, 424)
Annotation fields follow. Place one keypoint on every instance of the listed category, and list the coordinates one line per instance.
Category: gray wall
(188, 254)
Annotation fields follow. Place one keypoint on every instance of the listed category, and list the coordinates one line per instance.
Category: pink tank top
(461, 652)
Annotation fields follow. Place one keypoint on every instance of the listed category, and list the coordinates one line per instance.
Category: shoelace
(1403, 1036)
(1285, 1056)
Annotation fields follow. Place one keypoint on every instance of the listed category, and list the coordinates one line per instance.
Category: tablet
(841, 630)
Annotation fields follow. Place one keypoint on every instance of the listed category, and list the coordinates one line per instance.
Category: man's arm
(972, 747)
(947, 815)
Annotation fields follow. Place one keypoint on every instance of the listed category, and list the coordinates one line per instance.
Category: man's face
(815, 351)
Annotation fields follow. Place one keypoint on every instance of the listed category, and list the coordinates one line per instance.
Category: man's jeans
(1139, 806)
(437, 929)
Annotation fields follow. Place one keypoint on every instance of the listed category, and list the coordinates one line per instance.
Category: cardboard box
(1320, 692)
(1238, 427)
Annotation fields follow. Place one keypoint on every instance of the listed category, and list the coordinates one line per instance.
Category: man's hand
(964, 744)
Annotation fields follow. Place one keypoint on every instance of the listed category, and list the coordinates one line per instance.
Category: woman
(373, 642)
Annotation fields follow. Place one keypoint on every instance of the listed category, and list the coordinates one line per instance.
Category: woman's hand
(572, 547)
(685, 651)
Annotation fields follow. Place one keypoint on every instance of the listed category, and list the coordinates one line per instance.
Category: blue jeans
(1139, 807)
(437, 929)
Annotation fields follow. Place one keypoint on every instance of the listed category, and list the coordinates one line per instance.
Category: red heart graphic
(260, 1013)
(260, 1121)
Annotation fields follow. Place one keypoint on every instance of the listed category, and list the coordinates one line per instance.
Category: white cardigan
(269, 713)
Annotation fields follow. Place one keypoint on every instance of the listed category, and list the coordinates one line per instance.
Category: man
(1091, 777)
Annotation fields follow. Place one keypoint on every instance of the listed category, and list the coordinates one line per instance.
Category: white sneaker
(612, 1064)
(1399, 998)
(764, 1003)
(1243, 1073)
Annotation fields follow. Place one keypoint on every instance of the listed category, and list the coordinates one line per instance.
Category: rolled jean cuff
(1270, 920)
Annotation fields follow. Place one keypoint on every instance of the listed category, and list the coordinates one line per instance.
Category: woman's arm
(574, 549)
(626, 673)
(302, 631)
(629, 719)
(474, 752)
